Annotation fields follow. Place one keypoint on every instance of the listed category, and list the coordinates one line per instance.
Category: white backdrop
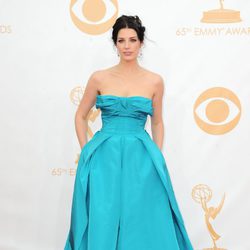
(46, 57)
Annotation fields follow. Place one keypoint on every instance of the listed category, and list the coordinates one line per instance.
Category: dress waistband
(122, 131)
(123, 125)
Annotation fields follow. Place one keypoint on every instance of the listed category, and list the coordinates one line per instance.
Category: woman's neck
(128, 66)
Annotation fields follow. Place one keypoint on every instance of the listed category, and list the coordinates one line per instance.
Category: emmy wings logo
(93, 16)
(222, 16)
(202, 194)
(217, 110)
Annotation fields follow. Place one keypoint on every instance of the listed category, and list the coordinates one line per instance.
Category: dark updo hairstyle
(132, 22)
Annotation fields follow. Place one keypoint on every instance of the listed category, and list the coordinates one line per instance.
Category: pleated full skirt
(123, 197)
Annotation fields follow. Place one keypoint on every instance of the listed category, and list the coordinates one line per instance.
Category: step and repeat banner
(48, 49)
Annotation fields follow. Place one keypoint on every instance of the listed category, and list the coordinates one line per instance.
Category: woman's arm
(87, 102)
(157, 126)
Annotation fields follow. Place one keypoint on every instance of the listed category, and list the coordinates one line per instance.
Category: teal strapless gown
(123, 198)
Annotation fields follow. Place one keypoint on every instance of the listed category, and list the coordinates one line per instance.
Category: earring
(140, 54)
(117, 53)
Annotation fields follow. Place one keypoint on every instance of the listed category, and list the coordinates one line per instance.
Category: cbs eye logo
(93, 16)
(217, 111)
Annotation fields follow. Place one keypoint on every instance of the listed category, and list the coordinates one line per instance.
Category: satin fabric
(123, 197)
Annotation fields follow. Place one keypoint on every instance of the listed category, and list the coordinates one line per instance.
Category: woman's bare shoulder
(98, 78)
(155, 78)
(99, 74)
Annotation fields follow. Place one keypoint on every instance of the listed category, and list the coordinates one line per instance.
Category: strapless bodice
(122, 114)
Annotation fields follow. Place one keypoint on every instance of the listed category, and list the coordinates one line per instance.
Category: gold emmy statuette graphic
(202, 194)
(75, 97)
(221, 15)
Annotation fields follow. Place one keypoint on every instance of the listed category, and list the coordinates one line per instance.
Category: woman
(123, 197)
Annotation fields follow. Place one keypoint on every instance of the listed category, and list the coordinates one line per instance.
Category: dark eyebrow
(130, 37)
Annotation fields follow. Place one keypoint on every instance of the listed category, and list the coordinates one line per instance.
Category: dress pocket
(84, 147)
